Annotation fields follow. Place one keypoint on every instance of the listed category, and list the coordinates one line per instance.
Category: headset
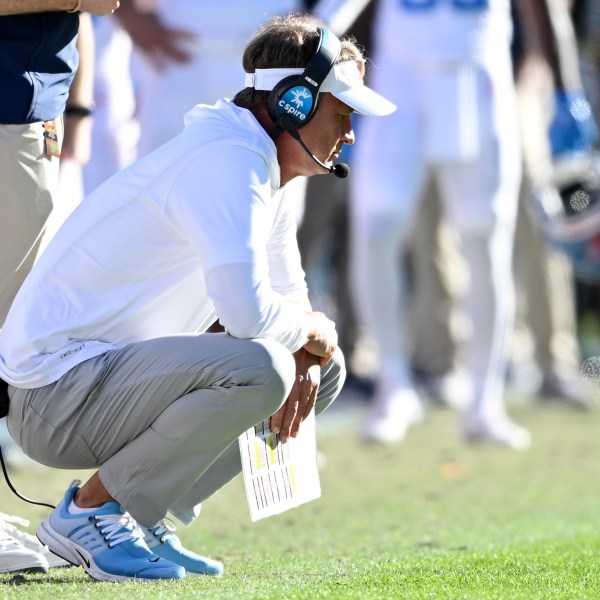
(293, 101)
(297, 95)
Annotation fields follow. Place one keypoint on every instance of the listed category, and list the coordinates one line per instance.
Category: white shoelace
(11, 545)
(164, 530)
(8, 530)
(117, 529)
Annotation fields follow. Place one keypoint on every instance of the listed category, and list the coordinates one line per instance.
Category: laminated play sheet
(279, 476)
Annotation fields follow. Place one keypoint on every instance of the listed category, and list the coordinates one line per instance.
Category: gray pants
(160, 418)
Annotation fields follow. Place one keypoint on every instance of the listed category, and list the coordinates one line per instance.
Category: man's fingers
(173, 44)
(276, 420)
(285, 421)
(300, 405)
(301, 401)
(311, 403)
(306, 410)
(289, 414)
(282, 420)
(161, 55)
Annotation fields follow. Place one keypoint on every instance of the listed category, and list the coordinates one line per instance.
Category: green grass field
(429, 518)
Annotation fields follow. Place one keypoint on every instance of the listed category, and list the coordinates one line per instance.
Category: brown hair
(286, 42)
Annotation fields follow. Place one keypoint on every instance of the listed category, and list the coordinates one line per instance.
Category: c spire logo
(297, 102)
(300, 95)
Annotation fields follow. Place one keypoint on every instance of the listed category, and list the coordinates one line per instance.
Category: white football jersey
(434, 30)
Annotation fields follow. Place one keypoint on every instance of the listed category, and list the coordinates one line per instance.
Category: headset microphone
(340, 170)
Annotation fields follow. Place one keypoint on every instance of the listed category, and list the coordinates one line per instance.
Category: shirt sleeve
(235, 223)
(248, 308)
(285, 265)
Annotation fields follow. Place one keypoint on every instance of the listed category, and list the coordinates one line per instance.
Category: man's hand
(99, 7)
(322, 337)
(77, 139)
(160, 44)
(286, 421)
(96, 7)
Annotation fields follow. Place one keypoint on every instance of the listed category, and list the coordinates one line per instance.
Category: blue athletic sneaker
(105, 541)
(164, 543)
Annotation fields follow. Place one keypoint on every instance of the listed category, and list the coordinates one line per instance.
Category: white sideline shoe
(571, 389)
(392, 414)
(30, 542)
(495, 429)
(15, 557)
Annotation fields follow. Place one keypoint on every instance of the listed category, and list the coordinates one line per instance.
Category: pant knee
(333, 376)
(277, 372)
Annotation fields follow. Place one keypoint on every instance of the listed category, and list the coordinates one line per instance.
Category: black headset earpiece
(276, 111)
(297, 95)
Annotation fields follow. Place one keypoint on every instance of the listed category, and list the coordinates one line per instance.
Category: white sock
(76, 510)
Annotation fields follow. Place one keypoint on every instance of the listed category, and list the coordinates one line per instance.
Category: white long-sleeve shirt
(194, 231)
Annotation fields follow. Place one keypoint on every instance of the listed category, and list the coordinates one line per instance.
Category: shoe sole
(375, 433)
(76, 555)
(49, 538)
(382, 439)
(58, 563)
(476, 437)
(583, 404)
(39, 569)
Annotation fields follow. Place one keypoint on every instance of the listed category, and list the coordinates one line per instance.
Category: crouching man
(107, 349)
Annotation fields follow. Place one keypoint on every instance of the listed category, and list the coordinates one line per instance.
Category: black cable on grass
(11, 486)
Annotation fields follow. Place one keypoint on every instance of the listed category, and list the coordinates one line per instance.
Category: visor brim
(365, 101)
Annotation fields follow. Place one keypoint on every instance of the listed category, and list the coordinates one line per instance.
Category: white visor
(343, 81)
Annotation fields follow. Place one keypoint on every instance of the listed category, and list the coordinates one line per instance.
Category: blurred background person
(586, 23)
(434, 266)
(558, 140)
(74, 153)
(545, 355)
(115, 130)
(438, 327)
(586, 18)
(447, 65)
(78, 119)
(41, 41)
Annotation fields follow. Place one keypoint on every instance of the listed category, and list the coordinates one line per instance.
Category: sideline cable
(12, 487)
